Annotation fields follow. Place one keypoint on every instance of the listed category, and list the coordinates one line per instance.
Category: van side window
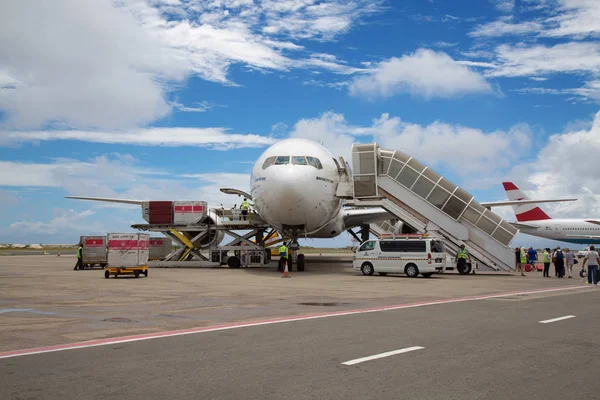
(367, 246)
(401, 246)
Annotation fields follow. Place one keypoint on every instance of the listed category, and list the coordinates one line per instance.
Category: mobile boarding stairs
(417, 195)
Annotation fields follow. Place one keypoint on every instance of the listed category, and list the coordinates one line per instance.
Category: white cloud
(501, 28)
(590, 91)
(436, 144)
(216, 138)
(564, 169)
(522, 60)
(199, 106)
(424, 73)
(575, 18)
(112, 65)
(505, 5)
(121, 177)
(66, 220)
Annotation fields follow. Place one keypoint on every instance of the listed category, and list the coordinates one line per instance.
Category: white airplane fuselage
(578, 231)
(295, 197)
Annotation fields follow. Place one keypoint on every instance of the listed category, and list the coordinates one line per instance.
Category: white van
(401, 255)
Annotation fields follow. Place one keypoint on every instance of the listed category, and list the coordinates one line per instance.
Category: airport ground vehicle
(403, 254)
(582, 253)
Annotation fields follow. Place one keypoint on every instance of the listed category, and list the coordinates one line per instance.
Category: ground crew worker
(283, 257)
(523, 261)
(79, 264)
(245, 207)
(461, 259)
(547, 260)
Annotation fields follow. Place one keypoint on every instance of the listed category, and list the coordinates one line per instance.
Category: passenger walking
(559, 264)
(517, 258)
(570, 261)
(547, 258)
(522, 260)
(79, 264)
(532, 256)
(592, 258)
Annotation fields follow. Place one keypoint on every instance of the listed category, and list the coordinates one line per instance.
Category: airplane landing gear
(297, 257)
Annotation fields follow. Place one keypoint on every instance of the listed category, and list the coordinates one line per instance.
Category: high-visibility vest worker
(79, 251)
(523, 257)
(283, 251)
(546, 257)
(462, 253)
(245, 205)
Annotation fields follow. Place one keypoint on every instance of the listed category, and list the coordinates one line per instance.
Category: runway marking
(382, 355)
(237, 325)
(548, 321)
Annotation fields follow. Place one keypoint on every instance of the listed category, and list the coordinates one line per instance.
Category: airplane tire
(233, 262)
(300, 262)
(466, 270)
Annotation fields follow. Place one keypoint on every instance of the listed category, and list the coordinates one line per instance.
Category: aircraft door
(558, 230)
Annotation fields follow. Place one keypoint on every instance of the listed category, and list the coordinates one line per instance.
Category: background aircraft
(532, 220)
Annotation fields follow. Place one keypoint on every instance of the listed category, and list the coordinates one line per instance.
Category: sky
(174, 99)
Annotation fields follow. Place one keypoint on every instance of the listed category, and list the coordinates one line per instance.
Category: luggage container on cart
(127, 254)
(160, 248)
(94, 251)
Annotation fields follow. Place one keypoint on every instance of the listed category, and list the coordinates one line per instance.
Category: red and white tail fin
(524, 212)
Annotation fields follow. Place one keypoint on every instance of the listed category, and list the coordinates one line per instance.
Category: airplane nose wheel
(300, 262)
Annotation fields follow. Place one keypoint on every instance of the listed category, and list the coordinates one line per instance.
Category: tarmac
(328, 332)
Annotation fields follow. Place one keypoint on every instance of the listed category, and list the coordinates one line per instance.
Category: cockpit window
(299, 160)
(268, 162)
(282, 160)
(314, 162)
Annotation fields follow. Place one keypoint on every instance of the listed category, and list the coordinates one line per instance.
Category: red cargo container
(161, 212)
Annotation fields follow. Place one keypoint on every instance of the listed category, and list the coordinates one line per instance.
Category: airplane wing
(108, 200)
(522, 225)
(354, 217)
(236, 191)
(519, 202)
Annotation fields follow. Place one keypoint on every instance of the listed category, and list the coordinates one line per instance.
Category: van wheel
(427, 275)
(411, 270)
(367, 269)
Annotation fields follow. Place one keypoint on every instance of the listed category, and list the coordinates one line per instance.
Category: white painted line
(239, 325)
(548, 321)
(383, 355)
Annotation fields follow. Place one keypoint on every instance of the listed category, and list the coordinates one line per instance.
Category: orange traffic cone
(285, 271)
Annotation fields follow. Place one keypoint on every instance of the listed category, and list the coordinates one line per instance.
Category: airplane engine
(402, 228)
(398, 227)
(210, 238)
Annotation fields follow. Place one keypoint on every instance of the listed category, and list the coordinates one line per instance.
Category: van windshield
(437, 246)
(367, 246)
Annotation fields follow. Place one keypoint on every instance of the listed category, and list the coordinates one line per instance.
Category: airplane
(532, 220)
(293, 188)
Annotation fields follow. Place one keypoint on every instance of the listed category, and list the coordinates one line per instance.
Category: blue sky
(172, 99)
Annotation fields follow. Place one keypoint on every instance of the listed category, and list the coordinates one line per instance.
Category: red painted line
(235, 325)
